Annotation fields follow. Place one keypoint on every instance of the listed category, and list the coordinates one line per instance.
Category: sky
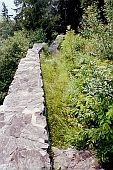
(9, 4)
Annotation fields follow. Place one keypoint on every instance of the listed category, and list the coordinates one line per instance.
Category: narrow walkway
(23, 134)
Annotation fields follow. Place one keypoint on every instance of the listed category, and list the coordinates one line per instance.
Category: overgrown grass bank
(56, 78)
(78, 83)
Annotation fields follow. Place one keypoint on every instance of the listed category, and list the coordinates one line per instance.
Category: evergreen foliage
(6, 28)
(5, 11)
(70, 12)
(51, 16)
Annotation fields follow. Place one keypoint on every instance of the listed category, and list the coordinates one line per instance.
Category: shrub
(89, 99)
(37, 36)
(90, 106)
(83, 115)
(12, 50)
(99, 32)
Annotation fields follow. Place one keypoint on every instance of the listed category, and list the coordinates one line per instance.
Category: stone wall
(23, 128)
(24, 141)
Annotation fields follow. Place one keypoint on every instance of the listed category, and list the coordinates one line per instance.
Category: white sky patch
(9, 4)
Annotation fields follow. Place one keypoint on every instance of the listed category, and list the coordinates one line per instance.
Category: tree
(32, 11)
(38, 14)
(52, 16)
(6, 28)
(6, 24)
(71, 12)
(5, 11)
(100, 3)
(86, 3)
(18, 5)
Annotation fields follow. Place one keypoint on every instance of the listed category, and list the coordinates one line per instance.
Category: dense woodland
(78, 80)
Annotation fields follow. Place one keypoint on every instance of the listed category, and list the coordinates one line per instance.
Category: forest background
(78, 80)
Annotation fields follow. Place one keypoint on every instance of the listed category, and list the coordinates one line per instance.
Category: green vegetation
(12, 49)
(78, 83)
(56, 78)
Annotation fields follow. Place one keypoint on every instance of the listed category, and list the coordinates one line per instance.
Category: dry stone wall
(23, 128)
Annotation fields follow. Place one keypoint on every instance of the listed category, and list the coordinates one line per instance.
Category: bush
(90, 94)
(90, 107)
(12, 50)
(6, 28)
(101, 33)
(82, 111)
(37, 36)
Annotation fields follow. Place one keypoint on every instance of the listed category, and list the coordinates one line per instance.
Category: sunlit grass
(56, 78)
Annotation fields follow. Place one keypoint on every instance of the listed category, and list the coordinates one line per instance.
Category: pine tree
(71, 12)
(5, 12)
(18, 5)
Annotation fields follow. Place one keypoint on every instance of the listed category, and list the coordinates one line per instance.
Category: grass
(56, 78)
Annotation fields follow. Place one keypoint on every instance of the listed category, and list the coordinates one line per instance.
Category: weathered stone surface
(72, 159)
(23, 134)
(54, 46)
